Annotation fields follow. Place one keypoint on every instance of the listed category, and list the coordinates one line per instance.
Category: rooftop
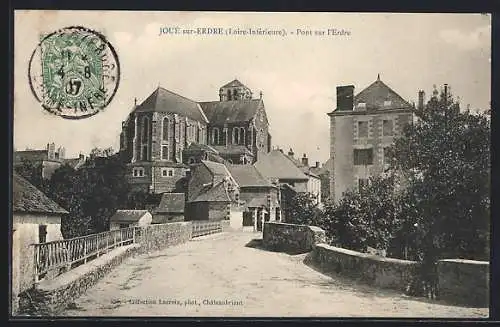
(28, 199)
(276, 164)
(128, 215)
(221, 112)
(171, 202)
(248, 176)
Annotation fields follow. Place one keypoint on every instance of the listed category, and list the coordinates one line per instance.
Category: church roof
(376, 95)
(234, 83)
(220, 112)
(162, 100)
(276, 164)
(28, 199)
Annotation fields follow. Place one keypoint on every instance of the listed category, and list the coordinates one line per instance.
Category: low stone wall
(373, 270)
(157, 237)
(49, 297)
(464, 282)
(291, 238)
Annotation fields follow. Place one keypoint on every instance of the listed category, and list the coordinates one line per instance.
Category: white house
(35, 219)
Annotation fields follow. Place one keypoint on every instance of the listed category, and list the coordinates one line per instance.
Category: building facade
(362, 128)
(167, 132)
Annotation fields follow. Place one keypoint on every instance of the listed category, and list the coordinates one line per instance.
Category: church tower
(234, 91)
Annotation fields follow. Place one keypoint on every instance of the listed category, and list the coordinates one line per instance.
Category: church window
(215, 136)
(166, 129)
(164, 152)
(235, 94)
(229, 95)
(145, 139)
(236, 135)
(242, 136)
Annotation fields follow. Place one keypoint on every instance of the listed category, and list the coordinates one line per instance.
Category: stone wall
(374, 270)
(159, 236)
(291, 238)
(464, 282)
(49, 297)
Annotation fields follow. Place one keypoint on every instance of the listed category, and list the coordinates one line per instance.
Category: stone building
(154, 136)
(238, 124)
(35, 219)
(167, 132)
(362, 128)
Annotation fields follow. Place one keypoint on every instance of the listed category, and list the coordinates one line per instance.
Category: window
(145, 139)
(361, 106)
(229, 95)
(387, 103)
(42, 233)
(236, 135)
(387, 128)
(387, 159)
(215, 136)
(164, 152)
(362, 184)
(362, 129)
(242, 136)
(138, 172)
(166, 129)
(167, 172)
(363, 157)
(124, 226)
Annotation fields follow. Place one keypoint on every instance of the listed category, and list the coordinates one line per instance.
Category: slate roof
(217, 169)
(217, 193)
(232, 149)
(199, 146)
(376, 93)
(234, 83)
(220, 112)
(30, 155)
(128, 215)
(248, 176)
(171, 202)
(28, 199)
(162, 100)
(275, 164)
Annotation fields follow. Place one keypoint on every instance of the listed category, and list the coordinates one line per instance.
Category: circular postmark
(74, 72)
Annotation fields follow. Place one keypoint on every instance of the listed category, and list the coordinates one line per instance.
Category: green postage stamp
(74, 72)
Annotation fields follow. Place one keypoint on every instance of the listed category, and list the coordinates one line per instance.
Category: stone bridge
(230, 274)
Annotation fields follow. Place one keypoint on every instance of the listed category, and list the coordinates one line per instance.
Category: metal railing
(201, 228)
(65, 254)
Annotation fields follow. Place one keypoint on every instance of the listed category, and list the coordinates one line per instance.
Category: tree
(91, 194)
(302, 208)
(362, 218)
(445, 158)
(32, 172)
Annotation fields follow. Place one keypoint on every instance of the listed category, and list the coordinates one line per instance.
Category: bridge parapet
(291, 238)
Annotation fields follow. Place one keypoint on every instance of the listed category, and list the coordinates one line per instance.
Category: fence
(201, 228)
(65, 254)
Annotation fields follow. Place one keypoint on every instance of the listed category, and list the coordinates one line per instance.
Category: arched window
(166, 129)
(235, 94)
(145, 138)
(242, 136)
(215, 136)
(236, 135)
(229, 95)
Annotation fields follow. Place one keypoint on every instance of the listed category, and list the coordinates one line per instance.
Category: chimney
(446, 93)
(345, 97)
(421, 99)
(305, 161)
(290, 153)
(316, 165)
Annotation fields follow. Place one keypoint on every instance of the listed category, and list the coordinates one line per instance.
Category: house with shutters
(362, 128)
(167, 132)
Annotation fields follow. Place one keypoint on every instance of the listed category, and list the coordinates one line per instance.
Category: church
(167, 132)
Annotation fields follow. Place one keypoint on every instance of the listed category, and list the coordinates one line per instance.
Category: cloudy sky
(296, 74)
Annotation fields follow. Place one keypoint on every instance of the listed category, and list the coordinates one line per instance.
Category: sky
(297, 74)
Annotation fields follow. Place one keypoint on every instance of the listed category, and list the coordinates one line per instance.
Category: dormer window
(361, 106)
(387, 103)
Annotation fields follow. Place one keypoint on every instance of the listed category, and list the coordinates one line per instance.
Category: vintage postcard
(250, 164)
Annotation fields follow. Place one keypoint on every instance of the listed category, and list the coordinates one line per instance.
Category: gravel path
(220, 275)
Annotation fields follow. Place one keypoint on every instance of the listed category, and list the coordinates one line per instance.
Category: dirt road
(219, 275)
